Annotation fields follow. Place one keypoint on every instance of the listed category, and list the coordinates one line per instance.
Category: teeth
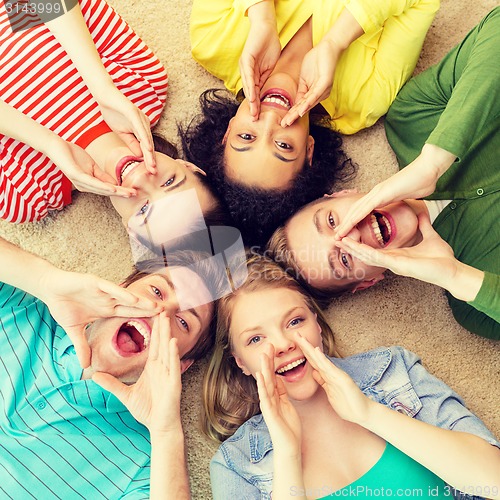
(127, 167)
(376, 227)
(291, 365)
(140, 328)
(277, 99)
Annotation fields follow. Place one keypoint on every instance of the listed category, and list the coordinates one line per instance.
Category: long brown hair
(229, 397)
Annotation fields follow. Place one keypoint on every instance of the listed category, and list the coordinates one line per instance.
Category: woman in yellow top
(346, 59)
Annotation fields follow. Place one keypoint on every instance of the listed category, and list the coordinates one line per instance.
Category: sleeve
(11, 297)
(137, 494)
(371, 14)
(482, 315)
(227, 483)
(474, 102)
(441, 406)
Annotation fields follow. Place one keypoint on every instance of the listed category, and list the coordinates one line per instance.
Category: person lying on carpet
(62, 434)
(445, 125)
(81, 118)
(342, 62)
(297, 420)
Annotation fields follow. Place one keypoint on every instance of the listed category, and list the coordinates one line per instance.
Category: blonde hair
(229, 397)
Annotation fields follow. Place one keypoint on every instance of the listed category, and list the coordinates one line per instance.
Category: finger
(307, 349)
(174, 362)
(319, 379)
(359, 210)
(290, 117)
(165, 336)
(143, 133)
(104, 176)
(425, 226)
(265, 403)
(124, 296)
(268, 374)
(132, 143)
(112, 384)
(154, 341)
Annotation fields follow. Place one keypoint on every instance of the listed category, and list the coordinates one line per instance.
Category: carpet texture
(88, 236)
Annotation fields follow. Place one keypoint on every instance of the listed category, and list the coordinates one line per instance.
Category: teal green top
(456, 105)
(395, 475)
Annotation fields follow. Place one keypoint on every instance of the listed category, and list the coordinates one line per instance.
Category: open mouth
(292, 368)
(125, 166)
(382, 228)
(276, 97)
(132, 338)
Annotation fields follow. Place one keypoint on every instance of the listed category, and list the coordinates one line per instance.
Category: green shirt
(456, 105)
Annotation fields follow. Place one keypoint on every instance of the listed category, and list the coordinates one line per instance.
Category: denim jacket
(243, 466)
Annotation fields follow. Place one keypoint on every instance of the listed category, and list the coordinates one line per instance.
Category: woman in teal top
(298, 423)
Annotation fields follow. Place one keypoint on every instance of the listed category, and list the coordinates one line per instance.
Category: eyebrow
(179, 184)
(257, 328)
(316, 221)
(277, 155)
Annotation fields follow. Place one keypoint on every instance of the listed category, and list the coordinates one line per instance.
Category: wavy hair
(230, 398)
(255, 211)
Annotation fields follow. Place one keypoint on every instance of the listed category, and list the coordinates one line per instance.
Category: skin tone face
(310, 235)
(120, 345)
(262, 153)
(267, 322)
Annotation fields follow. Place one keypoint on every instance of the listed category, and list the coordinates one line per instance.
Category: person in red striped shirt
(78, 95)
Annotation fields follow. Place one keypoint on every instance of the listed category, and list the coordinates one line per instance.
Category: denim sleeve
(227, 483)
(441, 406)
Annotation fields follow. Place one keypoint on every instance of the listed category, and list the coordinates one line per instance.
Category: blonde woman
(328, 425)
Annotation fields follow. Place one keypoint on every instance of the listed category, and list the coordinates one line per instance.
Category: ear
(240, 364)
(363, 285)
(192, 167)
(310, 149)
(185, 364)
(339, 194)
(224, 139)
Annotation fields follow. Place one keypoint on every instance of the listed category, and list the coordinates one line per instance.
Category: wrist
(437, 158)
(464, 282)
(262, 12)
(173, 431)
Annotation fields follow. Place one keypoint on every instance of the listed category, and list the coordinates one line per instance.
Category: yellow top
(369, 73)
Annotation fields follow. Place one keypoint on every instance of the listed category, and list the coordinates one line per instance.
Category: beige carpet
(88, 236)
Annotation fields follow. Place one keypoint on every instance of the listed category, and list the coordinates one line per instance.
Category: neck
(293, 53)
(316, 405)
(107, 150)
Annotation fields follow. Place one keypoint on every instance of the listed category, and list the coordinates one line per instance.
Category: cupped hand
(343, 394)
(154, 400)
(76, 299)
(432, 260)
(315, 82)
(417, 180)
(259, 57)
(281, 417)
(79, 167)
(130, 123)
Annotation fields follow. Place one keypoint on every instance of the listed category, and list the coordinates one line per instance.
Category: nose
(140, 177)
(283, 344)
(170, 306)
(355, 234)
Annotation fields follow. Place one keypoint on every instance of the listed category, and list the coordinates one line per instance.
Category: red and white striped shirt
(38, 78)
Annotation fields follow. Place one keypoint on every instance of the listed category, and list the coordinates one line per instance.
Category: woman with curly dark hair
(342, 61)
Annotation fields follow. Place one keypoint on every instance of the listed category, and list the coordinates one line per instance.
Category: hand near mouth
(342, 392)
(260, 54)
(154, 400)
(415, 181)
(280, 416)
(76, 299)
(432, 260)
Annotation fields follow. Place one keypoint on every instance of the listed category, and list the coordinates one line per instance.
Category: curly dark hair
(255, 211)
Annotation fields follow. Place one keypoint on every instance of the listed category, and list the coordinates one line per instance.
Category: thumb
(425, 226)
(132, 143)
(111, 384)
(317, 376)
(81, 345)
(103, 176)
